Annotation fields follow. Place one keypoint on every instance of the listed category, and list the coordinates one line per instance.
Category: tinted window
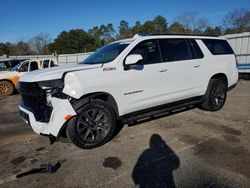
(33, 66)
(52, 64)
(195, 49)
(46, 63)
(217, 47)
(149, 50)
(174, 49)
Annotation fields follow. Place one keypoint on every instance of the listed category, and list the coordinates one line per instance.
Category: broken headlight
(51, 84)
(52, 88)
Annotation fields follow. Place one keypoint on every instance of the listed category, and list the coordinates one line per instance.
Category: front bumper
(61, 112)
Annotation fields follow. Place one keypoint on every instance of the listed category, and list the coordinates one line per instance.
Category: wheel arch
(104, 96)
(221, 76)
(8, 80)
(78, 103)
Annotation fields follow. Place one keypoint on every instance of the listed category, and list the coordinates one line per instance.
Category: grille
(34, 99)
(32, 95)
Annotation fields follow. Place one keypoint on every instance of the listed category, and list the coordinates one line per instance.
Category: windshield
(107, 53)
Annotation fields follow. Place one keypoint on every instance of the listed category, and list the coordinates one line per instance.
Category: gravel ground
(193, 148)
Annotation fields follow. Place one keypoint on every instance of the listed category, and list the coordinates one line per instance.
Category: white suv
(126, 81)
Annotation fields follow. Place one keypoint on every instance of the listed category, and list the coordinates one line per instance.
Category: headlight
(52, 88)
(51, 84)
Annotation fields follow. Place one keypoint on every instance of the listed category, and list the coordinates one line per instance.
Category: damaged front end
(45, 107)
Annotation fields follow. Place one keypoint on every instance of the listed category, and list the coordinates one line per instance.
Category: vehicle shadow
(155, 166)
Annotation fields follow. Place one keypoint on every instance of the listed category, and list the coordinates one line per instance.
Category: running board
(153, 112)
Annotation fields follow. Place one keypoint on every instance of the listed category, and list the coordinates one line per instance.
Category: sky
(23, 19)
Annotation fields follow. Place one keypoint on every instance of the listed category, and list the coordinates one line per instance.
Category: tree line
(79, 40)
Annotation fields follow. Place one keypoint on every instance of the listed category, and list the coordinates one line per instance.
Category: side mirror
(132, 59)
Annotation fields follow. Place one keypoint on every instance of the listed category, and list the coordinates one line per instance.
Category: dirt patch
(10, 117)
(218, 127)
(231, 138)
(230, 130)
(40, 148)
(33, 161)
(17, 160)
(112, 162)
(189, 139)
(225, 155)
(19, 138)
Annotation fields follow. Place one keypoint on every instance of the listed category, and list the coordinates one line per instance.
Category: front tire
(215, 96)
(6, 88)
(94, 125)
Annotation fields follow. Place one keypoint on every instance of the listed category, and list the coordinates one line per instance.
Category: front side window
(174, 49)
(24, 67)
(149, 51)
(107, 53)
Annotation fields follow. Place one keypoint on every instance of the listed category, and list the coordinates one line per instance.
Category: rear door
(184, 68)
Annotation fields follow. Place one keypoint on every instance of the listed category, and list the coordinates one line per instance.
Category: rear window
(218, 47)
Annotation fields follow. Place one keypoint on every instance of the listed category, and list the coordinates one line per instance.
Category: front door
(143, 84)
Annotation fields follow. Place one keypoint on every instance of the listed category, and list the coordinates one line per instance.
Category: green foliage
(73, 41)
(124, 30)
(103, 34)
(217, 31)
(237, 21)
(4, 50)
(176, 28)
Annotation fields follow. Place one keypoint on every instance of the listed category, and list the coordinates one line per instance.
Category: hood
(7, 74)
(54, 72)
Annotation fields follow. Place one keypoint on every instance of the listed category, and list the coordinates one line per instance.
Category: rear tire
(94, 125)
(6, 88)
(215, 96)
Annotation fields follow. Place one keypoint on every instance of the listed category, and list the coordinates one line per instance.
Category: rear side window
(195, 49)
(46, 63)
(33, 66)
(218, 47)
(175, 49)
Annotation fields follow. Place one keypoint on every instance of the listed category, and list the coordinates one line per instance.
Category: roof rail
(184, 34)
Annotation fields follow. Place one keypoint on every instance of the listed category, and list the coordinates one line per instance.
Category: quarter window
(174, 49)
(149, 51)
(218, 47)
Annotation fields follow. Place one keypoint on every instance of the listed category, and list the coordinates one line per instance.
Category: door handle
(163, 70)
(196, 66)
